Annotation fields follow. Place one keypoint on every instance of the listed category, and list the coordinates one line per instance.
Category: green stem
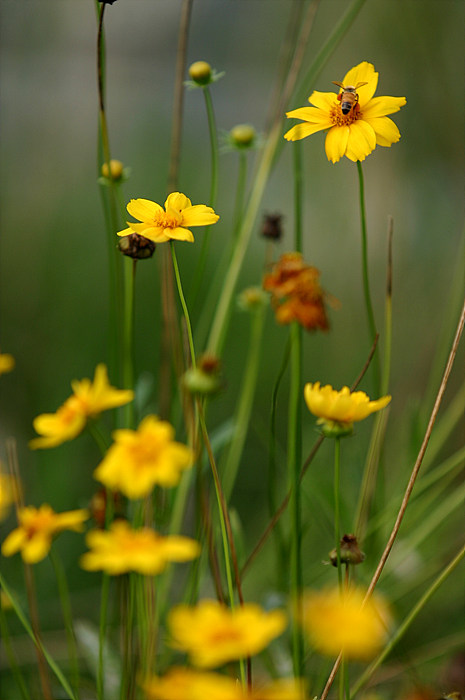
(102, 628)
(366, 281)
(244, 408)
(63, 593)
(15, 669)
(298, 195)
(294, 458)
(408, 621)
(240, 192)
(130, 267)
(337, 516)
(37, 641)
(183, 304)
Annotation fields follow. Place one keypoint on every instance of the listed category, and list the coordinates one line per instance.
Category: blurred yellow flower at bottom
(336, 622)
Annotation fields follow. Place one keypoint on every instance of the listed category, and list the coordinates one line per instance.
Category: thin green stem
(130, 267)
(408, 621)
(102, 628)
(15, 669)
(63, 593)
(298, 195)
(337, 515)
(366, 280)
(37, 641)
(183, 304)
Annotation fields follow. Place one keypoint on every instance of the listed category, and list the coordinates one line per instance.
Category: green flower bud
(205, 378)
(116, 170)
(243, 136)
(201, 72)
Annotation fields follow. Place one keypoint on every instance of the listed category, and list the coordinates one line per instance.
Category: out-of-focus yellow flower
(88, 401)
(354, 133)
(337, 411)
(122, 549)
(37, 527)
(141, 458)
(212, 634)
(296, 294)
(172, 223)
(7, 494)
(7, 362)
(338, 621)
(187, 684)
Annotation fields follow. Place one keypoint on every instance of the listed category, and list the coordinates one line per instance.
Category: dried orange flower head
(296, 294)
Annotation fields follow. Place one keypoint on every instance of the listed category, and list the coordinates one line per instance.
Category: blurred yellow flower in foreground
(187, 684)
(37, 526)
(141, 458)
(7, 494)
(212, 634)
(7, 362)
(121, 549)
(337, 411)
(172, 223)
(356, 132)
(338, 621)
(88, 400)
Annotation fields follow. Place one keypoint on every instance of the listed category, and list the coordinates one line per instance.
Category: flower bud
(271, 226)
(350, 552)
(242, 135)
(205, 378)
(201, 72)
(136, 246)
(252, 299)
(116, 170)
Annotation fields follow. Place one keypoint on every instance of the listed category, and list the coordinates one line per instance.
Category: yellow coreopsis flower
(188, 684)
(88, 401)
(356, 121)
(122, 549)
(337, 411)
(172, 223)
(141, 458)
(37, 527)
(212, 634)
(7, 362)
(339, 621)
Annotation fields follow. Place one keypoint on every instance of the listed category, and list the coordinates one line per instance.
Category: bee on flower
(356, 121)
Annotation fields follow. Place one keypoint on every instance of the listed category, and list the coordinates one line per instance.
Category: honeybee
(348, 97)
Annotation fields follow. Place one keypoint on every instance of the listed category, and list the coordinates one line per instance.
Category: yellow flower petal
(143, 209)
(36, 548)
(380, 106)
(386, 131)
(179, 234)
(125, 232)
(300, 131)
(362, 140)
(199, 215)
(364, 72)
(336, 142)
(14, 542)
(323, 100)
(177, 201)
(312, 115)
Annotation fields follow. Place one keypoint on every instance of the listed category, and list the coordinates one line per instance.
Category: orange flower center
(340, 119)
(168, 219)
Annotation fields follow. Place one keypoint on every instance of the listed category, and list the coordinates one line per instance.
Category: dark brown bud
(136, 246)
(350, 552)
(271, 226)
(98, 506)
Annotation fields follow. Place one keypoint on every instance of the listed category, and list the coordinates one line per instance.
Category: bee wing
(336, 82)
(360, 85)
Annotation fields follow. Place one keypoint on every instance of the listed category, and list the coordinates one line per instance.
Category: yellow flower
(8, 492)
(187, 684)
(88, 400)
(7, 362)
(173, 223)
(212, 634)
(339, 410)
(338, 622)
(122, 549)
(141, 458)
(356, 133)
(37, 526)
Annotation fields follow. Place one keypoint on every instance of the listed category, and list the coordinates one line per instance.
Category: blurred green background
(54, 283)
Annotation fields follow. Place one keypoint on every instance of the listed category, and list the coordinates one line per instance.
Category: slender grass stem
(366, 279)
(15, 669)
(183, 304)
(130, 267)
(337, 515)
(102, 629)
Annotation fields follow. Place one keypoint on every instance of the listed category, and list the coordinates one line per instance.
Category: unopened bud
(243, 135)
(136, 246)
(201, 72)
(252, 299)
(115, 172)
(205, 378)
(271, 226)
(350, 551)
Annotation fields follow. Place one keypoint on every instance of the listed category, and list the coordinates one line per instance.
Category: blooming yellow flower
(340, 409)
(338, 621)
(212, 634)
(172, 223)
(187, 684)
(88, 400)
(357, 133)
(7, 362)
(141, 458)
(37, 526)
(122, 549)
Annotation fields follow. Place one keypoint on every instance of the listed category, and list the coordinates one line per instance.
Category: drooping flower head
(354, 134)
(338, 621)
(296, 294)
(172, 223)
(141, 458)
(188, 684)
(122, 549)
(88, 401)
(212, 634)
(37, 527)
